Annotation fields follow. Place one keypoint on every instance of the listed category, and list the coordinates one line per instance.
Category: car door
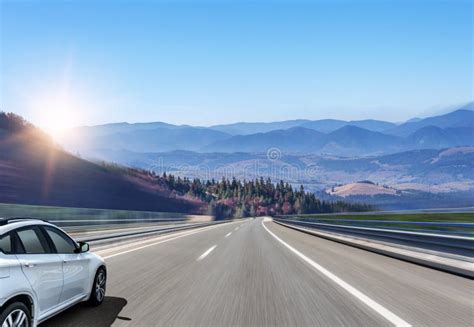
(75, 265)
(41, 266)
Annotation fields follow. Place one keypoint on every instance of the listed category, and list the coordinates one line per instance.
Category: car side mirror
(83, 247)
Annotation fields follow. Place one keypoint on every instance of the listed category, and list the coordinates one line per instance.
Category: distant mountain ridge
(345, 141)
(352, 140)
(145, 139)
(328, 125)
(328, 136)
(322, 125)
(123, 127)
(253, 128)
(434, 137)
(295, 139)
(463, 117)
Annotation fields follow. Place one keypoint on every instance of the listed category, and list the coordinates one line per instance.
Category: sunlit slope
(35, 171)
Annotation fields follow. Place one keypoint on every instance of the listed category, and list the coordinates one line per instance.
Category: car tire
(14, 312)
(98, 287)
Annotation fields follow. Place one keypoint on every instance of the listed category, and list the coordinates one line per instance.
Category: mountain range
(323, 125)
(419, 159)
(327, 136)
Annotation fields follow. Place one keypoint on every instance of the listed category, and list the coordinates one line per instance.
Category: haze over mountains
(323, 125)
(409, 162)
(327, 136)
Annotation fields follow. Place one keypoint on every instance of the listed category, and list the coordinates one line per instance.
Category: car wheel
(98, 288)
(16, 314)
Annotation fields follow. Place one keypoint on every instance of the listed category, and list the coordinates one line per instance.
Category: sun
(56, 123)
(57, 115)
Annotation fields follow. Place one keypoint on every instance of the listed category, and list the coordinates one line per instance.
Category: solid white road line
(384, 312)
(228, 234)
(162, 240)
(148, 245)
(205, 254)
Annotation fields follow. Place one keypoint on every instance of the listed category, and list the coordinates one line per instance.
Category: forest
(260, 197)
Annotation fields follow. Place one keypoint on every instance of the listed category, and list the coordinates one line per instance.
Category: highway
(258, 273)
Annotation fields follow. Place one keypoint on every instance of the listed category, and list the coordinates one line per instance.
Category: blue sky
(70, 63)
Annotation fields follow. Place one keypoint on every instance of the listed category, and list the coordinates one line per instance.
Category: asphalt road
(257, 273)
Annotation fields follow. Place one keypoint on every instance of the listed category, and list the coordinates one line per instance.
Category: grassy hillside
(361, 188)
(33, 170)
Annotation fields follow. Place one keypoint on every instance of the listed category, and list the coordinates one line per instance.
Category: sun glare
(57, 123)
(57, 116)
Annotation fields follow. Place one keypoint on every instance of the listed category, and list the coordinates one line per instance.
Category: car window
(33, 241)
(6, 244)
(61, 241)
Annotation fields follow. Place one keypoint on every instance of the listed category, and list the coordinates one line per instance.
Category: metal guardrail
(384, 212)
(457, 245)
(92, 223)
(152, 231)
(436, 227)
(112, 229)
(403, 222)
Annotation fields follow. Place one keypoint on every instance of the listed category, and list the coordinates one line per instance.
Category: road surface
(258, 273)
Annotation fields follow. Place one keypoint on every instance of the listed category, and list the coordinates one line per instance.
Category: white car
(43, 271)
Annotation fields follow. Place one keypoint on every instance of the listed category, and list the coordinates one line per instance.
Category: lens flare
(56, 114)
